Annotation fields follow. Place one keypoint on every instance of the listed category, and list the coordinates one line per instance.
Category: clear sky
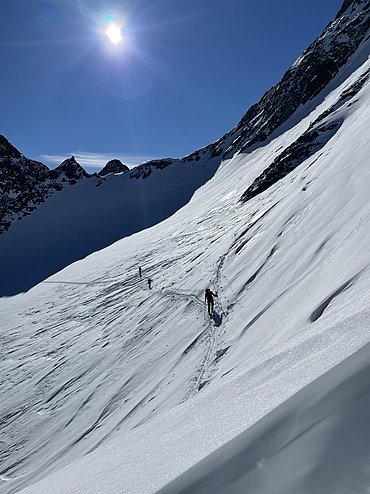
(183, 74)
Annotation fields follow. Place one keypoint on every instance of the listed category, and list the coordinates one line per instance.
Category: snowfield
(128, 387)
(317, 441)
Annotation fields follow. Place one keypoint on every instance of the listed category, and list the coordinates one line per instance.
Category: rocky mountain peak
(71, 169)
(7, 150)
(113, 166)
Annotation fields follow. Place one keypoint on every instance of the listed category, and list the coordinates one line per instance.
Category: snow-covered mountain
(128, 387)
(67, 223)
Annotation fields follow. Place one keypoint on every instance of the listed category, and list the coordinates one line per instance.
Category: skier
(150, 283)
(140, 271)
(208, 296)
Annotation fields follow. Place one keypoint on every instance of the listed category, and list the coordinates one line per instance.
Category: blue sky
(183, 75)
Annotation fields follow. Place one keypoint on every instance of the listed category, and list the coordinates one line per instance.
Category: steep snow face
(317, 441)
(93, 354)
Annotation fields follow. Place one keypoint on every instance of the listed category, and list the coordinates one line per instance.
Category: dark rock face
(346, 5)
(25, 183)
(7, 150)
(146, 169)
(71, 169)
(316, 137)
(113, 166)
(304, 147)
(19, 184)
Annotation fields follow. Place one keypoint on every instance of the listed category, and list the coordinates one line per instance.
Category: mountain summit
(71, 169)
(113, 166)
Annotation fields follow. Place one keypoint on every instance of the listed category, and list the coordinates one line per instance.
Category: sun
(114, 34)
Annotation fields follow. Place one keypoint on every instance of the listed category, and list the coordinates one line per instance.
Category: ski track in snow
(62, 337)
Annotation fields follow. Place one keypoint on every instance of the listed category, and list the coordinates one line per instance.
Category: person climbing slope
(208, 296)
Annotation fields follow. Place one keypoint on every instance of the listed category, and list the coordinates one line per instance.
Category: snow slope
(317, 441)
(95, 362)
(93, 213)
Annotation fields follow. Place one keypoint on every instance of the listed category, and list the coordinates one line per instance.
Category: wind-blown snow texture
(95, 362)
(317, 441)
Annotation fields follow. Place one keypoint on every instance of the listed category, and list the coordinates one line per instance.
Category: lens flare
(114, 34)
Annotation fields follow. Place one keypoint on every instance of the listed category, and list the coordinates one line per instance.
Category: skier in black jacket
(208, 296)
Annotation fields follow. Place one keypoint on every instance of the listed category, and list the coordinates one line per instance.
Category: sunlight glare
(114, 34)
